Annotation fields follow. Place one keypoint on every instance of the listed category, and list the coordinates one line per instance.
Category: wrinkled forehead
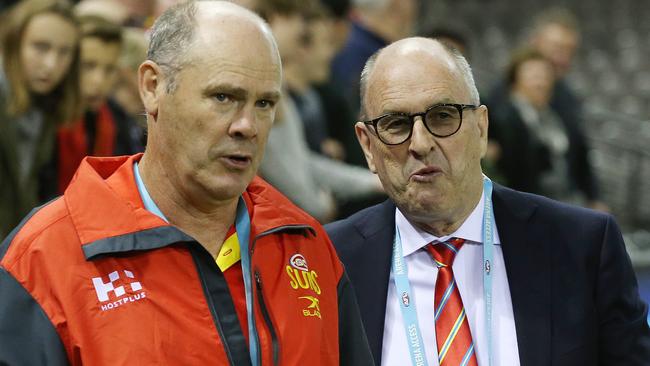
(409, 79)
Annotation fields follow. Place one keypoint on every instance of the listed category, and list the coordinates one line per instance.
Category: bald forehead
(231, 25)
(215, 8)
(412, 74)
(413, 62)
(415, 51)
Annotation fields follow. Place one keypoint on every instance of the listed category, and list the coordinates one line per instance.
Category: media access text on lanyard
(400, 275)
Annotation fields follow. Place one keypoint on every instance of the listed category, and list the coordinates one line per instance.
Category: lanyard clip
(405, 299)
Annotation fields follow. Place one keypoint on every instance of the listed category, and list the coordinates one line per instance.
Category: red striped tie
(453, 336)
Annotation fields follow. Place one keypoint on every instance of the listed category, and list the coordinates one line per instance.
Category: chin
(224, 193)
(230, 187)
(428, 197)
(422, 204)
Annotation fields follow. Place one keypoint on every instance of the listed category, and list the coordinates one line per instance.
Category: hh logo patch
(116, 287)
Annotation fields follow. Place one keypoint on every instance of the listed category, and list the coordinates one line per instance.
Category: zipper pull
(258, 279)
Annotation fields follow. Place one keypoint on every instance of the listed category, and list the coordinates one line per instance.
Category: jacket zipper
(260, 295)
(267, 318)
(213, 311)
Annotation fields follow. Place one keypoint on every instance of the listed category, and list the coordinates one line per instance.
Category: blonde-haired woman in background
(39, 90)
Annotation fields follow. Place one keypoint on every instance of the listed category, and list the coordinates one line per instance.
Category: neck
(448, 222)
(207, 221)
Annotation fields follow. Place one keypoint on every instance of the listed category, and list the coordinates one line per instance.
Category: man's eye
(221, 97)
(394, 123)
(265, 103)
(443, 113)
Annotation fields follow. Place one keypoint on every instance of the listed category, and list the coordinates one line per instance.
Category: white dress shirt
(468, 272)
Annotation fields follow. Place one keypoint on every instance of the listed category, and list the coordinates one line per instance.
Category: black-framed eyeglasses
(441, 120)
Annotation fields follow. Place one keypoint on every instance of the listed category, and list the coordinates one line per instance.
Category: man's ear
(363, 135)
(150, 86)
(483, 124)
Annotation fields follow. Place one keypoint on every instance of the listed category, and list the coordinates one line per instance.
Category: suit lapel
(373, 271)
(526, 252)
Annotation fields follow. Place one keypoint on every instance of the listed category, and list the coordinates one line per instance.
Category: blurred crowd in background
(567, 85)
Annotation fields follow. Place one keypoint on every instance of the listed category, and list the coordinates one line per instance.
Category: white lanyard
(243, 227)
(404, 297)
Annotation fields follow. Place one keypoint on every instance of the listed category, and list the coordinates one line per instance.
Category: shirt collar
(149, 204)
(471, 230)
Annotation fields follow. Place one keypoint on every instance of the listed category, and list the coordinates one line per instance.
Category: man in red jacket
(181, 256)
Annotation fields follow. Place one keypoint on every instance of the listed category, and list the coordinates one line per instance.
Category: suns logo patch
(300, 276)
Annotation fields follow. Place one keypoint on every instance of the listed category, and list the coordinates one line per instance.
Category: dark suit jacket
(574, 293)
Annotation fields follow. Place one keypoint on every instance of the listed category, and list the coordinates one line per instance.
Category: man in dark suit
(450, 271)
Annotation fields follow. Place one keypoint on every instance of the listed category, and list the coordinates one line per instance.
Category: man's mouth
(426, 174)
(237, 160)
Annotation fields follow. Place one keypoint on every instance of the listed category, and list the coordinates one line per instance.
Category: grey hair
(171, 36)
(466, 72)
(459, 59)
(363, 83)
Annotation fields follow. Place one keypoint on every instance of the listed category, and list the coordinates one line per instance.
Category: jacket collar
(109, 215)
(378, 220)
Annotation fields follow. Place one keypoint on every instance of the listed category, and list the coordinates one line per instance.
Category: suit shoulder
(570, 212)
(366, 219)
(555, 212)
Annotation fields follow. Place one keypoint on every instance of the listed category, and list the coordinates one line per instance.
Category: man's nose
(245, 125)
(422, 141)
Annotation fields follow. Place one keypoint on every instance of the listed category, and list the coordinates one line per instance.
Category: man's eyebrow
(393, 110)
(229, 89)
(274, 95)
(240, 93)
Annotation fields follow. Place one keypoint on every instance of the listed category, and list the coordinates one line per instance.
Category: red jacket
(94, 278)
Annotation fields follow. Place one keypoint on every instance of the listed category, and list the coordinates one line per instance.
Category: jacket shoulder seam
(32, 238)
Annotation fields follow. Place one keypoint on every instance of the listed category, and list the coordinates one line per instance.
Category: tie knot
(444, 253)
